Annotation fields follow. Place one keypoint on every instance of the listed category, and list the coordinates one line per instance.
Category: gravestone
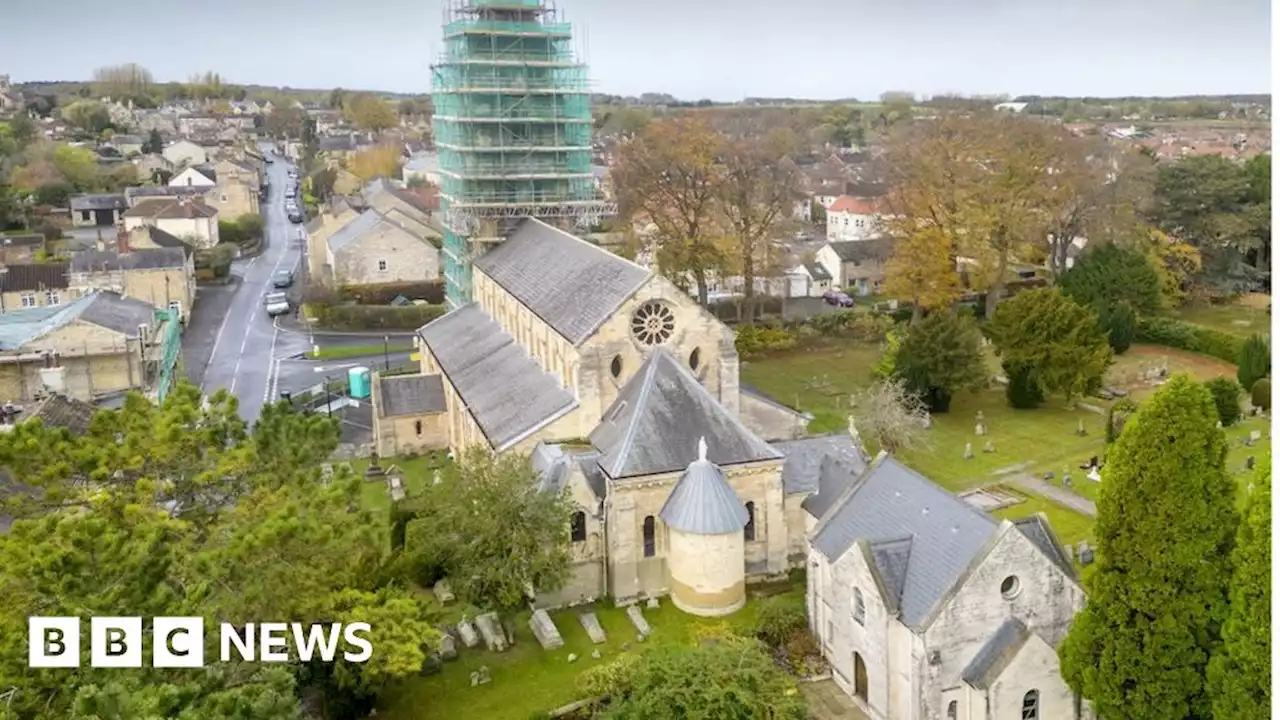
(1084, 552)
(435, 477)
(480, 677)
(468, 633)
(1080, 428)
(926, 422)
(595, 654)
(495, 638)
(573, 656)
(591, 624)
(1255, 435)
(443, 592)
(653, 603)
(1094, 475)
(968, 451)
(1249, 462)
(448, 647)
(374, 470)
(1066, 479)
(431, 664)
(637, 619)
(1219, 425)
(395, 486)
(980, 429)
(545, 630)
(1048, 474)
(990, 447)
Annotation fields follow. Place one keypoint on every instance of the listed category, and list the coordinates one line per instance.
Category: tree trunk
(997, 286)
(700, 279)
(917, 312)
(749, 286)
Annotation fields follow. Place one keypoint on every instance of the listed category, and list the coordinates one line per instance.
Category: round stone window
(1010, 588)
(653, 323)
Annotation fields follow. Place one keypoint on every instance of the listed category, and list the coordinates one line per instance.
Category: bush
(755, 340)
(1226, 398)
(1192, 338)
(1107, 275)
(613, 678)
(1260, 395)
(1023, 391)
(374, 317)
(778, 619)
(384, 294)
(1117, 416)
(1120, 323)
(852, 324)
(1254, 362)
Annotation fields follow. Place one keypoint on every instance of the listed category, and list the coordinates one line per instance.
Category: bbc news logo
(178, 642)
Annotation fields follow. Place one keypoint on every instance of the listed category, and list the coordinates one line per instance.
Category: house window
(417, 427)
(382, 266)
(28, 300)
(695, 358)
(749, 531)
(50, 298)
(1031, 705)
(84, 215)
(578, 527)
(222, 198)
(951, 710)
(649, 529)
(859, 607)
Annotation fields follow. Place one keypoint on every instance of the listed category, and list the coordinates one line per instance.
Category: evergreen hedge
(1192, 338)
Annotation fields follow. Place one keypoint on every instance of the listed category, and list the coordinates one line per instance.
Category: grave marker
(544, 629)
(495, 638)
(591, 624)
(443, 592)
(467, 632)
(637, 619)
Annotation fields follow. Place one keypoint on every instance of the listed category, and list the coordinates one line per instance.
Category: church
(625, 394)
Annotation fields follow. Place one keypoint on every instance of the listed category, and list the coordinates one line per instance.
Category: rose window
(653, 323)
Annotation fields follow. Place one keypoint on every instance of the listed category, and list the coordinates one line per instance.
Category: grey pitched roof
(996, 654)
(891, 501)
(31, 277)
(589, 462)
(859, 251)
(891, 559)
(121, 314)
(702, 502)
(104, 260)
(410, 395)
(805, 456)
(835, 476)
(24, 239)
(166, 240)
(647, 429)
(572, 285)
(474, 352)
(816, 271)
(98, 202)
(352, 231)
(1037, 530)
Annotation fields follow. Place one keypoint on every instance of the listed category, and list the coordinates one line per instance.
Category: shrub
(1054, 336)
(1254, 362)
(374, 317)
(1107, 275)
(613, 678)
(1023, 391)
(1120, 323)
(778, 619)
(1117, 416)
(941, 355)
(384, 294)
(802, 653)
(860, 326)
(754, 340)
(888, 362)
(1226, 398)
(1192, 338)
(1260, 395)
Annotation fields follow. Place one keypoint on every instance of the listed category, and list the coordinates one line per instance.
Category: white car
(277, 303)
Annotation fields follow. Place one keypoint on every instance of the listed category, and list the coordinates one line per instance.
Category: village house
(100, 344)
(149, 165)
(857, 266)
(926, 607)
(163, 277)
(422, 166)
(332, 217)
(202, 176)
(238, 189)
(375, 248)
(127, 145)
(150, 237)
(854, 218)
(187, 218)
(33, 285)
(97, 210)
(10, 98)
(184, 152)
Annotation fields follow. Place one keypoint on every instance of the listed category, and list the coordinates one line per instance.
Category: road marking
(217, 341)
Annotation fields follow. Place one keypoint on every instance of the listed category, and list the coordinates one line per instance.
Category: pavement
(1061, 496)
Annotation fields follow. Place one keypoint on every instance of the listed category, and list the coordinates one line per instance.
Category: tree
(1106, 274)
(57, 194)
(892, 415)
(78, 165)
(286, 121)
(154, 144)
(1240, 672)
(322, 183)
(122, 82)
(377, 161)
(371, 113)
(1226, 398)
(1254, 362)
(88, 115)
(730, 677)
(22, 129)
(757, 194)
(1158, 593)
(939, 356)
(1120, 323)
(923, 269)
(1054, 337)
(669, 175)
(517, 536)
(1260, 394)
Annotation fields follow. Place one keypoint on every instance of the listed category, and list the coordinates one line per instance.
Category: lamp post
(328, 398)
(386, 356)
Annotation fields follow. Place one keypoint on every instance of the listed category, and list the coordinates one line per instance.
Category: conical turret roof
(702, 502)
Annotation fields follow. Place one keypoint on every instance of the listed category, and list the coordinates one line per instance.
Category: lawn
(1071, 527)
(417, 473)
(344, 352)
(1243, 318)
(817, 380)
(1124, 372)
(528, 679)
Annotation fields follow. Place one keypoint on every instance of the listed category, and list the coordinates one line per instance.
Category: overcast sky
(721, 49)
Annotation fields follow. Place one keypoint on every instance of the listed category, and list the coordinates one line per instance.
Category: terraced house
(33, 285)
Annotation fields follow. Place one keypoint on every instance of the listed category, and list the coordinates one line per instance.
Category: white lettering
(273, 636)
(349, 634)
(230, 637)
(315, 636)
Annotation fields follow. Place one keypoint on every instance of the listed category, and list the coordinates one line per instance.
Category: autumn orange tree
(377, 161)
(669, 175)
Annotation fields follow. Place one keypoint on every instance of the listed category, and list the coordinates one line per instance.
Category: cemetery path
(828, 702)
(1061, 496)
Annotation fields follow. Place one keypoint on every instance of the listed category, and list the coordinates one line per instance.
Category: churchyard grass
(357, 351)
(527, 680)
(1142, 357)
(417, 473)
(1071, 527)
(817, 379)
(1242, 318)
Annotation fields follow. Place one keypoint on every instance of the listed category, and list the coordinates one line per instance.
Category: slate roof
(996, 654)
(572, 285)
(647, 429)
(891, 501)
(136, 195)
(859, 251)
(352, 231)
(32, 277)
(61, 411)
(891, 559)
(816, 271)
(834, 477)
(474, 352)
(122, 314)
(801, 471)
(342, 143)
(410, 395)
(702, 502)
(89, 261)
(98, 202)
(166, 240)
(170, 208)
(1037, 530)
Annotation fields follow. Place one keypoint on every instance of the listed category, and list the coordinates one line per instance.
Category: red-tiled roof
(855, 205)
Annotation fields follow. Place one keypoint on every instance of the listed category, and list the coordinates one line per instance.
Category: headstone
(1255, 435)
(927, 421)
(431, 664)
(980, 429)
(637, 619)
(595, 654)
(1070, 551)
(1249, 462)
(591, 624)
(1066, 479)
(1248, 441)
(495, 638)
(1219, 425)
(395, 488)
(990, 447)
(1048, 474)
(435, 477)
(968, 451)
(468, 633)
(448, 647)
(1086, 555)
(443, 592)
(573, 656)
(374, 470)
(545, 630)
(1080, 428)
(653, 603)
(1093, 475)
(480, 677)
(640, 637)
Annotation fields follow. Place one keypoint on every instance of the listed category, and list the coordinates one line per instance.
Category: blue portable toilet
(358, 380)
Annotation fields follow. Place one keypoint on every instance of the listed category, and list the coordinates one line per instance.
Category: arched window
(951, 710)
(417, 426)
(695, 358)
(578, 527)
(1031, 705)
(859, 607)
(749, 531)
(650, 547)
(615, 367)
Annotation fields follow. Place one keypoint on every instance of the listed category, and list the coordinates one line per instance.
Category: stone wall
(707, 572)
(407, 258)
(770, 421)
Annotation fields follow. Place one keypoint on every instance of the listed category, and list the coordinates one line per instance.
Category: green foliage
(1054, 337)
(1118, 416)
(1158, 593)
(1108, 274)
(729, 678)
(517, 535)
(1254, 362)
(1120, 323)
(778, 618)
(612, 678)
(244, 231)
(755, 340)
(854, 325)
(941, 355)
(1240, 672)
(886, 364)
(1192, 338)
(88, 115)
(78, 165)
(374, 317)
(154, 144)
(57, 193)
(1023, 391)
(1260, 395)
(1226, 398)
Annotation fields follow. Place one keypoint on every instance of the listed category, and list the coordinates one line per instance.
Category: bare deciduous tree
(896, 418)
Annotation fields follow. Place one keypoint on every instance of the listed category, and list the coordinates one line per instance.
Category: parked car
(277, 303)
(282, 278)
(295, 217)
(837, 298)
